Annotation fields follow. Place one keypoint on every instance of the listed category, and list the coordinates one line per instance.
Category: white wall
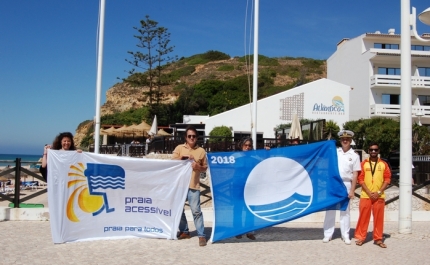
(194, 119)
(350, 65)
(320, 92)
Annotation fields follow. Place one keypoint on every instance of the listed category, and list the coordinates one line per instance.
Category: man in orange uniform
(374, 178)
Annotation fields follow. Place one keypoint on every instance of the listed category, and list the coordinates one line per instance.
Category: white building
(321, 99)
(363, 82)
(370, 64)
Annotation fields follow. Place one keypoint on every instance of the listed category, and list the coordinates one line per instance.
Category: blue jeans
(193, 197)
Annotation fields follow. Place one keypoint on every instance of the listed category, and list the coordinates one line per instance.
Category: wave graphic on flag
(101, 177)
(106, 182)
(283, 209)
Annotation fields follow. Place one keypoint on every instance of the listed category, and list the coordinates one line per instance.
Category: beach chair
(29, 185)
(32, 186)
(9, 190)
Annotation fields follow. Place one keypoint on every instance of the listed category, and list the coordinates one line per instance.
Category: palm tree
(331, 130)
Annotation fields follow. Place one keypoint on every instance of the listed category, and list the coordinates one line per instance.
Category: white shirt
(348, 162)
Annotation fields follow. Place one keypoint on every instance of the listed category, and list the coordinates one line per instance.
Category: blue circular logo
(278, 188)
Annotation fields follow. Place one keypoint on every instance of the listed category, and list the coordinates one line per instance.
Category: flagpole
(255, 76)
(99, 75)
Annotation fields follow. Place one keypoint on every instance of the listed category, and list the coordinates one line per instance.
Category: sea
(9, 159)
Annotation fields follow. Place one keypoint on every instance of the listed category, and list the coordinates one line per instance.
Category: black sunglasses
(191, 136)
(373, 150)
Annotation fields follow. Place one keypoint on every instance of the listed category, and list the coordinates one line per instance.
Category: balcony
(393, 111)
(394, 81)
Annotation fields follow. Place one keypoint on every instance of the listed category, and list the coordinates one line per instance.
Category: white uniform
(348, 162)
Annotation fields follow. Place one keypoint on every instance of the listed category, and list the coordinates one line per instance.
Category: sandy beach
(290, 243)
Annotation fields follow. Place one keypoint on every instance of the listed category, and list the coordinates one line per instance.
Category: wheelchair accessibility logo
(89, 188)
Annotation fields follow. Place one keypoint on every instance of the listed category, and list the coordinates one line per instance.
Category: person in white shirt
(349, 167)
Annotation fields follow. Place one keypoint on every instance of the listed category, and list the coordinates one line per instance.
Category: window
(388, 71)
(420, 47)
(386, 46)
(424, 71)
(390, 99)
(424, 100)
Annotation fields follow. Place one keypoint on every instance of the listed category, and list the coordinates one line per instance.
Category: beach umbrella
(143, 126)
(124, 130)
(9, 175)
(296, 129)
(163, 132)
(109, 131)
(153, 130)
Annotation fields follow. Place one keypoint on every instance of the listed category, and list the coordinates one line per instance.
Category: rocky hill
(285, 72)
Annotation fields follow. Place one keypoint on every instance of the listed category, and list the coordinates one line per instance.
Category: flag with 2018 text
(256, 189)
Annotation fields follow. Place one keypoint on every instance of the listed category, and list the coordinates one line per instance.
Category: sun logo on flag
(87, 203)
(90, 186)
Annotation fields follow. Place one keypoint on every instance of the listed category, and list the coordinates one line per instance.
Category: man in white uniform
(349, 167)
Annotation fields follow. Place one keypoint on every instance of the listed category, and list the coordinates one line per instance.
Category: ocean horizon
(9, 159)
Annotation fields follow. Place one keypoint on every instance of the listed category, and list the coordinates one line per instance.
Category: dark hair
(373, 143)
(191, 128)
(244, 140)
(56, 145)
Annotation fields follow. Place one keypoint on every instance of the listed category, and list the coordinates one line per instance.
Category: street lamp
(408, 24)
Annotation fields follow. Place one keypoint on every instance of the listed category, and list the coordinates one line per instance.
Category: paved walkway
(291, 243)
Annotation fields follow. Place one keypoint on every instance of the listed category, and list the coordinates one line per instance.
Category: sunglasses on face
(373, 150)
(191, 136)
(247, 145)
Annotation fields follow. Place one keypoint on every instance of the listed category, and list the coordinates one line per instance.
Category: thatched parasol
(163, 133)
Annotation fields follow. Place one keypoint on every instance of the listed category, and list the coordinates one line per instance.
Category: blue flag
(256, 189)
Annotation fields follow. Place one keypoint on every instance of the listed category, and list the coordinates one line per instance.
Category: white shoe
(326, 239)
(347, 241)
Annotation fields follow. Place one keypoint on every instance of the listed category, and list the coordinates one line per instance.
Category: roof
(424, 35)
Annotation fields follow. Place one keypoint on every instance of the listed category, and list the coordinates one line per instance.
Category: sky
(48, 48)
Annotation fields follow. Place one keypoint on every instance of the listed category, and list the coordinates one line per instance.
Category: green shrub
(84, 123)
(215, 56)
(197, 60)
(178, 73)
(226, 68)
(262, 60)
(221, 133)
(311, 63)
(208, 56)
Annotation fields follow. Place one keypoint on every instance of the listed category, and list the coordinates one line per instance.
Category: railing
(391, 110)
(15, 198)
(167, 144)
(395, 81)
(421, 178)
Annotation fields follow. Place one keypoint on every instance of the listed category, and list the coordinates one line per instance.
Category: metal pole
(255, 76)
(99, 76)
(405, 179)
(17, 182)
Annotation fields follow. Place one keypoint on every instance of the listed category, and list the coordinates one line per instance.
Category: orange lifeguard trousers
(366, 207)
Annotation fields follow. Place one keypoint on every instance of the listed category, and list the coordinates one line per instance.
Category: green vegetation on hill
(220, 86)
(262, 60)
(206, 57)
(177, 74)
